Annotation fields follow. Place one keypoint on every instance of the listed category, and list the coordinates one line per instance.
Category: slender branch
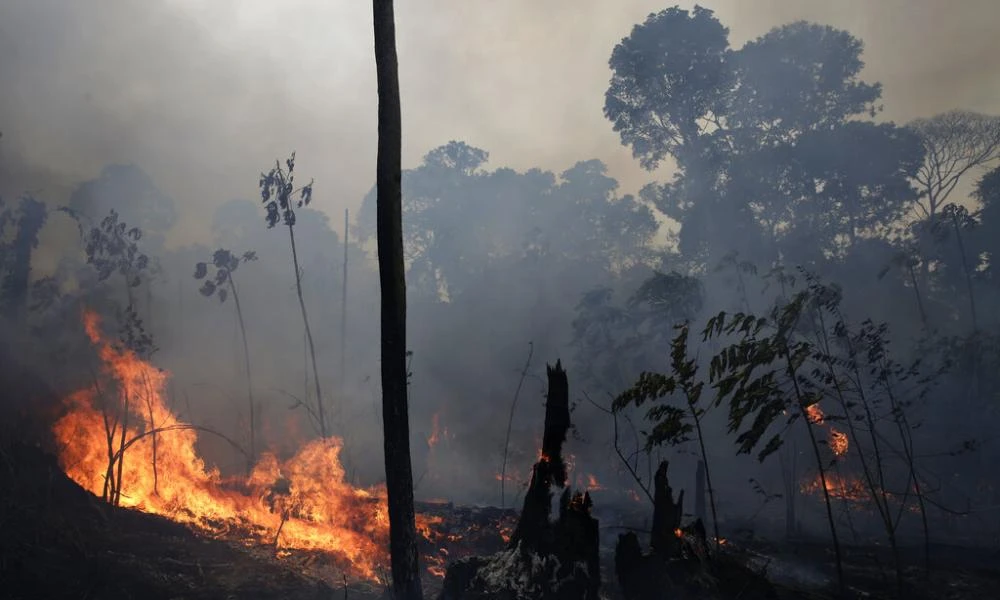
(510, 422)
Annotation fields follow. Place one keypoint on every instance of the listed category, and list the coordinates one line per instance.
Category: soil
(59, 541)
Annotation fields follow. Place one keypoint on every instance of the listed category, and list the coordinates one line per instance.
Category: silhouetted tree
(26, 221)
(220, 285)
(463, 220)
(772, 158)
(278, 192)
(395, 413)
(131, 193)
(956, 142)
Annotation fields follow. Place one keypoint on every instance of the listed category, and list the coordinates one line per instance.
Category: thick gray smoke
(168, 111)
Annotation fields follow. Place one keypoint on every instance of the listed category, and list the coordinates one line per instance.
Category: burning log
(543, 560)
(681, 565)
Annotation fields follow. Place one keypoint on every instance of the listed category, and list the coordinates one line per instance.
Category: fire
(437, 431)
(838, 442)
(302, 503)
(842, 488)
(815, 414)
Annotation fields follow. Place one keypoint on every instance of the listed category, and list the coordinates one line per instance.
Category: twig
(618, 451)
(510, 423)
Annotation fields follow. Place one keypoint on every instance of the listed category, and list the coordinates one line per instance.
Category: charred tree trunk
(666, 515)
(395, 417)
(544, 560)
(681, 565)
(533, 529)
(343, 306)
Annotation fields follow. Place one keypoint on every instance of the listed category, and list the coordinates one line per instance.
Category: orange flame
(436, 431)
(304, 503)
(838, 442)
(815, 414)
(842, 488)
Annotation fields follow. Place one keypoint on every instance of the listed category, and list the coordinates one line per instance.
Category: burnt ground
(59, 541)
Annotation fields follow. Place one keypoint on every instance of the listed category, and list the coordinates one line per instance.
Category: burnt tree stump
(544, 560)
(680, 565)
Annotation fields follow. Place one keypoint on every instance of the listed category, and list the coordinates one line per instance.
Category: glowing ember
(838, 442)
(815, 414)
(842, 488)
(303, 503)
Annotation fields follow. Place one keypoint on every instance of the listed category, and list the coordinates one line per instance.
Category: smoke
(204, 96)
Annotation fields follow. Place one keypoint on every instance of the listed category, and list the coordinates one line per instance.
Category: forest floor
(59, 541)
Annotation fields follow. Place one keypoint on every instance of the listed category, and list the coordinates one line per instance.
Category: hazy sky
(204, 94)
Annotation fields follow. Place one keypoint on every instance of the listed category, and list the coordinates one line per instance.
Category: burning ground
(155, 521)
(119, 440)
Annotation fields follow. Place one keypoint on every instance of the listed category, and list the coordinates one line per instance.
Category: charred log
(544, 560)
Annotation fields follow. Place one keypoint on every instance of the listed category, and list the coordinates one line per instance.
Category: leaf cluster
(278, 194)
(224, 263)
(113, 247)
(672, 425)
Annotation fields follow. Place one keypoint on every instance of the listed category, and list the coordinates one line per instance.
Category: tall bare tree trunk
(395, 417)
(246, 360)
(343, 306)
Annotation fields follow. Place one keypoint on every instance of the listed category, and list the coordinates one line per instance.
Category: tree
(673, 425)
(130, 192)
(614, 344)
(773, 159)
(670, 79)
(956, 142)
(113, 247)
(395, 414)
(987, 193)
(462, 221)
(278, 191)
(221, 285)
(26, 221)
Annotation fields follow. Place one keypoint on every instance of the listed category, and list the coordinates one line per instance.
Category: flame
(437, 432)
(302, 503)
(842, 488)
(815, 414)
(838, 442)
